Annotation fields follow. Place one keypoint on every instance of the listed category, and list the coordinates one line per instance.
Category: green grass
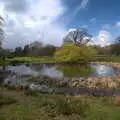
(31, 59)
(53, 60)
(107, 58)
(17, 105)
(16, 60)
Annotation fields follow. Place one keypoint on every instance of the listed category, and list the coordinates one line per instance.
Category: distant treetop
(78, 36)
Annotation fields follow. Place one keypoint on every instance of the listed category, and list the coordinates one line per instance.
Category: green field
(107, 58)
(53, 60)
(21, 105)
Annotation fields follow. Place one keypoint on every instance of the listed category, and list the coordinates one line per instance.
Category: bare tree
(78, 36)
(117, 40)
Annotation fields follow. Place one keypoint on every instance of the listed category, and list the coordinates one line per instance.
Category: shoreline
(88, 85)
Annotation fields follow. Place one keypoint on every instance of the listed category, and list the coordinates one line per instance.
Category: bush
(73, 53)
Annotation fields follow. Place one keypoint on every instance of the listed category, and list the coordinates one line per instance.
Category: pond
(76, 70)
(17, 75)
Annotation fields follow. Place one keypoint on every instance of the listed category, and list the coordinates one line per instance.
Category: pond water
(77, 70)
(17, 75)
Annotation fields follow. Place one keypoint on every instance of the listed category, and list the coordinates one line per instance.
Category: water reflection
(19, 74)
(35, 70)
(51, 71)
(96, 70)
(78, 70)
(103, 70)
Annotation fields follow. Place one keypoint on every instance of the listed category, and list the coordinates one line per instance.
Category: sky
(47, 21)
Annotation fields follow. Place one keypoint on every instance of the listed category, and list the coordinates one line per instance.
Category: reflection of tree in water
(4, 73)
(75, 70)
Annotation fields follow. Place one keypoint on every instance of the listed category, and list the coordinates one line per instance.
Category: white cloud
(18, 6)
(118, 24)
(103, 38)
(39, 22)
(82, 5)
(70, 17)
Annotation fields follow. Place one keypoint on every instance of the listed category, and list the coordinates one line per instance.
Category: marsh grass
(4, 100)
(17, 105)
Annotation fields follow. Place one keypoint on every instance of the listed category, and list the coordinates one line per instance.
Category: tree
(73, 53)
(35, 45)
(48, 50)
(78, 36)
(26, 50)
(36, 49)
(114, 48)
(5, 53)
(117, 40)
(18, 51)
(102, 50)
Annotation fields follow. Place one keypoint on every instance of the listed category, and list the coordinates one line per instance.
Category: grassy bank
(27, 59)
(107, 58)
(31, 59)
(52, 60)
(18, 105)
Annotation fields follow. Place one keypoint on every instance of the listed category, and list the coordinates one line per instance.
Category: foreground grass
(19, 105)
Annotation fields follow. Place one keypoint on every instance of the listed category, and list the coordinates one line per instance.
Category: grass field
(107, 58)
(27, 59)
(19, 105)
(52, 60)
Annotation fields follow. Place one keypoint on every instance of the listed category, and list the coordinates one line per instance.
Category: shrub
(73, 53)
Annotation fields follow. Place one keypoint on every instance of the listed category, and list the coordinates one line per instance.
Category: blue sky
(100, 17)
(95, 13)
(48, 21)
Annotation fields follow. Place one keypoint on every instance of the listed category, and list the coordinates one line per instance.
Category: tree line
(32, 50)
(74, 47)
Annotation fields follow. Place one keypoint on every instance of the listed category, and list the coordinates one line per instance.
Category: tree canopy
(73, 53)
(78, 36)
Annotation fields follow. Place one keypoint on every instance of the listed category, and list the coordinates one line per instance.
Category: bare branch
(78, 36)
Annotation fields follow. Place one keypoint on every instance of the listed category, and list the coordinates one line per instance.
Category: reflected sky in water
(35, 70)
(66, 71)
(19, 74)
(103, 70)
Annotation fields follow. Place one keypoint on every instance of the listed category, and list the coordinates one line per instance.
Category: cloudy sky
(48, 20)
